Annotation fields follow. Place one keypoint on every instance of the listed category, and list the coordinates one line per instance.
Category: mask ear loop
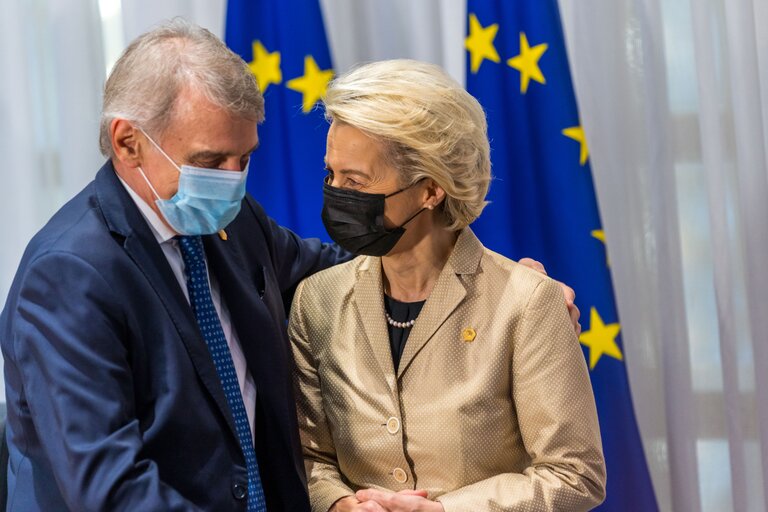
(143, 175)
(141, 171)
(159, 149)
(413, 216)
(402, 190)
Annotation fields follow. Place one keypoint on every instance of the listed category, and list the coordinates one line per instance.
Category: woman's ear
(433, 195)
(124, 137)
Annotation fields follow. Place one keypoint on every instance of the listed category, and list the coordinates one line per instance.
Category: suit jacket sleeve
(326, 485)
(295, 258)
(77, 379)
(557, 416)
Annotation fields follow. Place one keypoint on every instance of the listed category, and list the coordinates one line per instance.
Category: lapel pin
(468, 334)
(223, 235)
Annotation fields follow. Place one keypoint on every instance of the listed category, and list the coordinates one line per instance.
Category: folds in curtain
(673, 100)
(50, 99)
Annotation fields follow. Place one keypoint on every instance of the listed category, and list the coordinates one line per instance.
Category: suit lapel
(252, 320)
(123, 218)
(368, 300)
(448, 293)
(150, 259)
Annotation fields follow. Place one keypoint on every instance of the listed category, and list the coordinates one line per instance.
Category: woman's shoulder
(511, 277)
(495, 262)
(336, 279)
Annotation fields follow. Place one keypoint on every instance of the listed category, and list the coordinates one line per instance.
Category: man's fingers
(535, 265)
(575, 314)
(570, 294)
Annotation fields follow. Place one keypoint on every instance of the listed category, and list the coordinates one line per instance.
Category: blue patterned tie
(210, 326)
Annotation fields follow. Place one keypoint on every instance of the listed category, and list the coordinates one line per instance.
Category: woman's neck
(409, 275)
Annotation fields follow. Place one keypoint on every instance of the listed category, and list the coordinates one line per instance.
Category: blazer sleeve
(77, 381)
(293, 257)
(326, 485)
(556, 411)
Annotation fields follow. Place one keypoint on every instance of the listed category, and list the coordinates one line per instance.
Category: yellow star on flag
(527, 63)
(577, 133)
(479, 42)
(312, 85)
(600, 235)
(265, 66)
(601, 339)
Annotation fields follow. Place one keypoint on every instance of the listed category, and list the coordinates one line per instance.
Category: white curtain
(142, 15)
(673, 96)
(50, 96)
(366, 30)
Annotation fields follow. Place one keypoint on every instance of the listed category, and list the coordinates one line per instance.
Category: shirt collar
(161, 231)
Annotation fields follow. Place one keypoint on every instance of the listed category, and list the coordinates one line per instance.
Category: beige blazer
(491, 408)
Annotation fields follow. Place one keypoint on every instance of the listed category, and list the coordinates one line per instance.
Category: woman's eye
(353, 184)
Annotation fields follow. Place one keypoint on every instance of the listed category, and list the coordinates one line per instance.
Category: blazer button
(393, 425)
(400, 476)
(239, 491)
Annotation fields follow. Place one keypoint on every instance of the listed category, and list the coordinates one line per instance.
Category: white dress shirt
(170, 246)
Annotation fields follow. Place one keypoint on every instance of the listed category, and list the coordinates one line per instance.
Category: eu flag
(543, 205)
(285, 45)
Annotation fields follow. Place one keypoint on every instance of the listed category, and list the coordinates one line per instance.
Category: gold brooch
(468, 334)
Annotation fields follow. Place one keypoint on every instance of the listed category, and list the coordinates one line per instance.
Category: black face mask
(355, 220)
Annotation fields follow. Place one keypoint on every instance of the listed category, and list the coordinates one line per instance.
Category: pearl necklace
(399, 325)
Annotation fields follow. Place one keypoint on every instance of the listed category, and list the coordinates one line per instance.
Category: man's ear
(124, 137)
(433, 195)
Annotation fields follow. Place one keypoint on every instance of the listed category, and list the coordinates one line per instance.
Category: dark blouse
(400, 312)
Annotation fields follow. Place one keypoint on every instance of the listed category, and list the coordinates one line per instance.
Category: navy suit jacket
(113, 398)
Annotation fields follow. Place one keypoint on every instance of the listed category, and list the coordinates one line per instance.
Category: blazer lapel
(448, 293)
(444, 299)
(123, 218)
(368, 300)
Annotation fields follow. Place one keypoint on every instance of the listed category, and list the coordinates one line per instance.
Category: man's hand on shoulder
(570, 294)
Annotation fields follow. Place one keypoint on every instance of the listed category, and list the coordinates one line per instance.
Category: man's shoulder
(73, 228)
(251, 225)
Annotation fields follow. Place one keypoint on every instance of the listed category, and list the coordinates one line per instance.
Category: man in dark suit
(114, 399)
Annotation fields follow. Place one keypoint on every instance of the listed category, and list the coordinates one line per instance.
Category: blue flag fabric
(543, 205)
(285, 45)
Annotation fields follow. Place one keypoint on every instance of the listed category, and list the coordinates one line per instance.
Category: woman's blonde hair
(429, 125)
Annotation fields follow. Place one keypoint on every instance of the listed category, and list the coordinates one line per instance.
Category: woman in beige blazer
(432, 373)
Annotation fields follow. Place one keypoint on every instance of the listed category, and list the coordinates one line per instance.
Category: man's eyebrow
(207, 155)
(214, 155)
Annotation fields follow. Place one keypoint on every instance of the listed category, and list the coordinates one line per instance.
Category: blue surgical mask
(207, 199)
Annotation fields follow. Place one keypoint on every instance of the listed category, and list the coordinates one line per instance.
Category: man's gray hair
(150, 74)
